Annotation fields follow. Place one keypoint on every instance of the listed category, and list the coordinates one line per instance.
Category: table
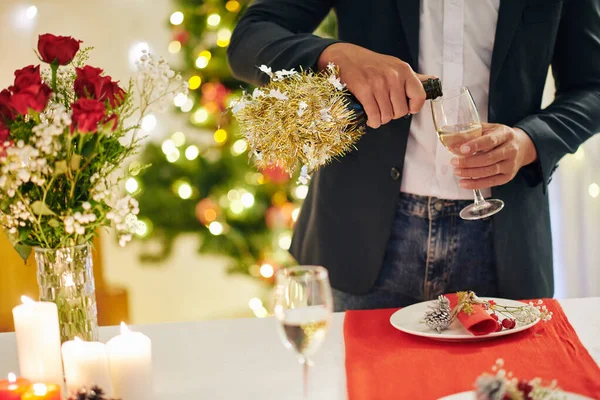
(245, 359)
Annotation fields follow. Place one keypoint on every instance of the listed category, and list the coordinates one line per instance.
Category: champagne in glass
(303, 308)
(457, 122)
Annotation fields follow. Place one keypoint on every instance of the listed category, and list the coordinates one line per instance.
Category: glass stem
(305, 372)
(479, 200)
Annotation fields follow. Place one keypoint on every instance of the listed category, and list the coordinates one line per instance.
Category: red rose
(26, 77)
(113, 93)
(61, 49)
(4, 137)
(111, 122)
(91, 84)
(6, 110)
(34, 97)
(87, 114)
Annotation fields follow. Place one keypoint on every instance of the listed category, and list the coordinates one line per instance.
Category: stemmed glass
(303, 308)
(456, 121)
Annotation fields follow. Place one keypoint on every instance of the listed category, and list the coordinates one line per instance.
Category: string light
(301, 191)
(131, 185)
(31, 12)
(279, 199)
(247, 200)
(177, 18)
(168, 146)
(187, 107)
(143, 228)
(192, 152)
(236, 207)
(175, 47)
(295, 214)
(178, 139)
(232, 6)
(266, 270)
(216, 228)
(149, 123)
(220, 135)
(594, 190)
(194, 82)
(173, 156)
(180, 100)
(200, 116)
(185, 191)
(223, 37)
(255, 303)
(233, 195)
(210, 215)
(285, 241)
(213, 20)
(239, 147)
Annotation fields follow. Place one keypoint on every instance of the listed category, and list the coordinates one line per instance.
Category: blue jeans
(431, 251)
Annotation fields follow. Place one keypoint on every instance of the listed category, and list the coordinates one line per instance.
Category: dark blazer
(346, 219)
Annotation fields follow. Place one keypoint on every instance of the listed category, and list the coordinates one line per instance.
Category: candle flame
(26, 300)
(39, 389)
(124, 328)
(12, 378)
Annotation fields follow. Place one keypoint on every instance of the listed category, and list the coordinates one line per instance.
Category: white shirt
(456, 41)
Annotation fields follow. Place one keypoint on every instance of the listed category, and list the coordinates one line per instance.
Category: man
(383, 220)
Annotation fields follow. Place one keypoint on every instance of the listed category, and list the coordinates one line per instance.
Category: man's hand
(494, 158)
(386, 86)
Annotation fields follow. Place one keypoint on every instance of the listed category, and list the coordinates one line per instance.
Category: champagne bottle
(433, 90)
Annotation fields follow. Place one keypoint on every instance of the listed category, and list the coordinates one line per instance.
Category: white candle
(86, 365)
(130, 357)
(38, 341)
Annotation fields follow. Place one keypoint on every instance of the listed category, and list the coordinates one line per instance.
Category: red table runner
(383, 363)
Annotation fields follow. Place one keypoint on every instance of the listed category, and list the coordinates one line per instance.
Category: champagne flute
(456, 121)
(303, 308)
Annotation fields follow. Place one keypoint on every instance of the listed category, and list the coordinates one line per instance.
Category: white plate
(471, 396)
(409, 319)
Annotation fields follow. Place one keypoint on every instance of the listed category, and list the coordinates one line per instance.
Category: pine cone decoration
(95, 393)
(440, 316)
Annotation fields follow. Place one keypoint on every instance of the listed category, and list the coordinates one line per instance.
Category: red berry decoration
(499, 327)
(506, 323)
(494, 316)
(513, 324)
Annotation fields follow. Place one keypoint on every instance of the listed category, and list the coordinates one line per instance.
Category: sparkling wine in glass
(303, 308)
(457, 122)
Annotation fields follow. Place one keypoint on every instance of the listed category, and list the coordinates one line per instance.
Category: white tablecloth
(245, 359)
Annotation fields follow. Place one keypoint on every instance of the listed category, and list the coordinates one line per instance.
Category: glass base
(484, 210)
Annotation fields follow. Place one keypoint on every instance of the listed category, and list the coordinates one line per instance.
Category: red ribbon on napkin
(479, 322)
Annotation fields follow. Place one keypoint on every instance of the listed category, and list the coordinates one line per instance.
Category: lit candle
(13, 387)
(86, 365)
(130, 357)
(42, 391)
(38, 341)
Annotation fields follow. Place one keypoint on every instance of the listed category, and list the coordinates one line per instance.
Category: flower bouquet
(63, 137)
(502, 385)
(299, 118)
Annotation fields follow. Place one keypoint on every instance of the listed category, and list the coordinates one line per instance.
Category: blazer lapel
(509, 17)
(409, 15)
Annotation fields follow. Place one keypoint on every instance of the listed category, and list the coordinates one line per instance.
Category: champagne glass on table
(303, 308)
(456, 121)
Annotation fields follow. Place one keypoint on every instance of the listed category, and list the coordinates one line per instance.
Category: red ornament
(182, 36)
(215, 92)
(276, 174)
(207, 211)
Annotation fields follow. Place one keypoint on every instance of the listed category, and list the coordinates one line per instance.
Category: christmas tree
(202, 182)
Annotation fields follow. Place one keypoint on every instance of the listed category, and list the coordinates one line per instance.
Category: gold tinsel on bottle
(299, 118)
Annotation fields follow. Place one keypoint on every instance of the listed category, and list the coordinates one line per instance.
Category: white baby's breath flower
(335, 81)
(276, 94)
(237, 106)
(325, 116)
(302, 106)
(266, 70)
(304, 177)
(86, 206)
(257, 93)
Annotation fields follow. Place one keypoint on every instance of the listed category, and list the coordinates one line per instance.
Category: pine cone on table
(440, 316)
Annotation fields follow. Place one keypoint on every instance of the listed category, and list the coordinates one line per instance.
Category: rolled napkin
(479, 322)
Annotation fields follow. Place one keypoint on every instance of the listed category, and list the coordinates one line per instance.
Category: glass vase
(66, 277)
